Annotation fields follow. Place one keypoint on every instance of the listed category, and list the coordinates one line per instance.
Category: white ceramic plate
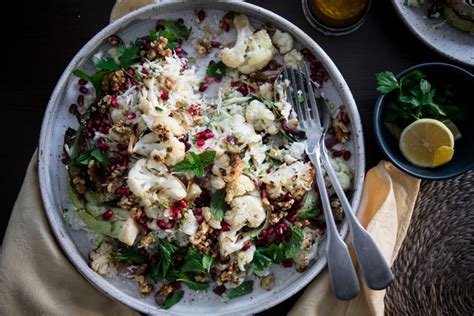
(53, 174)
(437, 33)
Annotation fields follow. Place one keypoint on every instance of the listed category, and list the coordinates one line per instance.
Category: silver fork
(343, 277)
(371, 262)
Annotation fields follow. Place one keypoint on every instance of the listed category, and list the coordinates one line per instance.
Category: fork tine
(305, 97)
(312, 98)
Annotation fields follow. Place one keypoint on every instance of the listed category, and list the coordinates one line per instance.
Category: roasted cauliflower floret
(230, 241)
(210, 220)
(244, 257)
(295, 178)
(293, 153)
(261, 117)
(164, 125)
(189, 224)
(240, 186)
(101, 259)
(293, 58)
(153, 186)
(266, 91)
(283, 41)
(343, 173)
(246, 210)
(252, 51)
(226, 168)
(308, 250)
(170, 151)
(243, 131)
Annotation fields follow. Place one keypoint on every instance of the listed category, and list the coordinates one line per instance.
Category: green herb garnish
(95, 79)
(218, 205)
(174, 31)
(216, 70)
(260, 261)
(296, 240)
(129, 253)
(162, 268)
(192, 284)
(245, 288)
(173, 299)
(127, 56)
(92, 154)
(197, 262)
(196, 163)
(152, 35)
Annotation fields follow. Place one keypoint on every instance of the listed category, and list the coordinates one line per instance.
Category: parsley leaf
(245, 288)
(108, 63)
(216, 70)
(95, 79)
(128, 55)
(165, 261)
(296, 240)
(152, 35)
(218, 205)
(174, 31)
(92, 154)
(173, 299)
(386, 82)
(129, 253)
(275, 252)
(196, 163)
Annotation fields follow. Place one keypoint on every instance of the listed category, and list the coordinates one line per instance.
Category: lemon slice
(427, 143)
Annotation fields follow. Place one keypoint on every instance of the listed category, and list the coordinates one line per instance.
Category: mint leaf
(275, 252)
(245, 288)
(308, 214)
(386, 82)
(174, 31)
(81, 74)
(207, 262)
(165, 261)
(216, 70)
(295, 243)
(192, 284)
(425, 86)
(197, 262)
(194, 266)
(260, 261)
(92, 154)
(218, 204)
(195, 163)
(173, 299)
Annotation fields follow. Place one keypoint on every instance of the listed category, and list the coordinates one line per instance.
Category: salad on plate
(191, 176)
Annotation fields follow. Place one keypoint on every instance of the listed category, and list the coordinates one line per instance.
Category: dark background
(53, 31)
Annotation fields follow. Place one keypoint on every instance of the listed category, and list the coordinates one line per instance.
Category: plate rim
(422, 38)
(55, 219)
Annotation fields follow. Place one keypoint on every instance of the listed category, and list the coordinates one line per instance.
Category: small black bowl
(463, 158)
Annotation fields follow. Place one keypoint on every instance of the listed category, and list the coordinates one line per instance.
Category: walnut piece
(158, 49)
(144, 287)
(267, 282)
(113, 81)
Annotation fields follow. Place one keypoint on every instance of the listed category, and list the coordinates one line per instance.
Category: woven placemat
(434, 271)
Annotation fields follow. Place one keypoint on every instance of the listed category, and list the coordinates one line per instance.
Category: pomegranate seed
(131, 71)
(297, 205)
(279, 231)
(264, 233)
(83, 90)
(73, 109)
(145, 230)
(225, 26)
(264, 193)
(271, 230)
(176, 285)
(216, 233)
(164, 95)
(347, 155)
(215, 44)
(345, 117)
(122, 147)
(247, 246)
(82, 82)
(200, 143)
(131, 116)
(210, 79)
(113, 102)
(143, 220)
(212, 62)
(305, 52)
(219, 290)
(107, 214)
(209, 135)
(312, 59)
(144, 71)
(288, 196)
(225, 227)
(337, 153)
(141, 251)
(201, 135)
(101, 144)
(203, 86)
(153, 260)
(287, 263)
(199, 219)
(201, 15)
(198, 211)
(194, 110)
(292, 219)
(80, 100)
(169, 225)
(271, 240)
(161, 224)
(244, 89)
(182, 203)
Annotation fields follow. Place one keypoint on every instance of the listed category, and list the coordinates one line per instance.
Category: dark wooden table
(53, 32)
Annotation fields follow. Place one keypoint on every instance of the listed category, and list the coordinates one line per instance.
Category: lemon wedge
(427, 143)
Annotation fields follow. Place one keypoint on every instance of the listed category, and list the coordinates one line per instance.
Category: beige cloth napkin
(37, 279)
